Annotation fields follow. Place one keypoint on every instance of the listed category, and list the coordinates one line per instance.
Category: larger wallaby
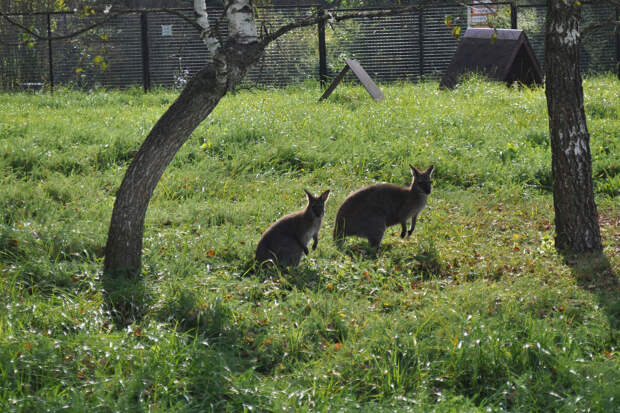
(368, 211)
(286, 240)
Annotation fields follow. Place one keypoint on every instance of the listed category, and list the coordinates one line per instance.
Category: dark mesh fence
(598, 50)
(162, 49)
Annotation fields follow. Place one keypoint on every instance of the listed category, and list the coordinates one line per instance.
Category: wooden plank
(361, 74)
(363, 77)
(335, 83)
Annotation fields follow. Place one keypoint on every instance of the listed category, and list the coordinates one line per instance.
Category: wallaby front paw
(306, 251)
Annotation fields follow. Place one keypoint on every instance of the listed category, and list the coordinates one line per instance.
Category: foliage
(475, 312)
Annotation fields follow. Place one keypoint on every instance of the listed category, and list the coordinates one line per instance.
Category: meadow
(475, 312)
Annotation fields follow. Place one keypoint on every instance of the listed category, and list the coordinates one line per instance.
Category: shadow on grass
(125, 298)
(300, 277)
(594, 273)
(425, 262)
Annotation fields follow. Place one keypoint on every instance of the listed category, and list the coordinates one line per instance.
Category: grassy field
(475, 312)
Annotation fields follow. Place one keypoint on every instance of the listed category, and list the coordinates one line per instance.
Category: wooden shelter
(500, 54)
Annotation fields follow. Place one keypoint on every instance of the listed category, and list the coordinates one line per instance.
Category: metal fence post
(618, 44)
(146, 65)
(322, 49)
(50, 57)
(421, 41)
(513, 15)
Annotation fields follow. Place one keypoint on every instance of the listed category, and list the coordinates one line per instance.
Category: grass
(475, 312)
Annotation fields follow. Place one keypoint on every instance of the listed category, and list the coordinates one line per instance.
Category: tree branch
(588, 30)
(108, 15)
(336, 16)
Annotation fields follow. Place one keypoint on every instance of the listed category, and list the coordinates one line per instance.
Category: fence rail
(161, 49)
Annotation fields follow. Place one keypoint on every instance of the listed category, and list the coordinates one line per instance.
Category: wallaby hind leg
(374, 232)
(375, 240)
(289, 255)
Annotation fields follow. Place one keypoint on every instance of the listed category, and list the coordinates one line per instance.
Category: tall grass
(475, 312)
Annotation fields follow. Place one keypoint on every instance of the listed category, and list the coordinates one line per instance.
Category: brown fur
(368, 211)
(286, 240)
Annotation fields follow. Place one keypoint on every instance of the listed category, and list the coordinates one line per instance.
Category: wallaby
(286, 240)
(368, 211)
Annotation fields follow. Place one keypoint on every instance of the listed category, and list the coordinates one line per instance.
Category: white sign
(478, 14)
(166, 30)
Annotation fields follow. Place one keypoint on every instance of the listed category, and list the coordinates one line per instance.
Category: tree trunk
(576, 218)
(124, 245)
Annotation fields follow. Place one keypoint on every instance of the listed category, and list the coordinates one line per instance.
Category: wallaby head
(422, 179)
(317, 204)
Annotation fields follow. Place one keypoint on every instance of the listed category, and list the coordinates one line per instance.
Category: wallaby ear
(414, 171)
(310, 196)
(325, 195)
(429, 170)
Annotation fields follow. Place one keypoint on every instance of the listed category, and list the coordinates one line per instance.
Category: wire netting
(162, 49)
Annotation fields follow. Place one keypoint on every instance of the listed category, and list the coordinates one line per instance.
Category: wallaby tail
(339, 231)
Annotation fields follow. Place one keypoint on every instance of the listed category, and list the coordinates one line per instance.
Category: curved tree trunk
(123, 251)
(124, 244)
(576, 217)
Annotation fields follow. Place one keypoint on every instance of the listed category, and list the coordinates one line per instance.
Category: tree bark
(576, 217)
(123, 251)
(124, 245)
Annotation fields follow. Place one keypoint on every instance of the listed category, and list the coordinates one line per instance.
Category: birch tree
(201, 95)
(576, 217)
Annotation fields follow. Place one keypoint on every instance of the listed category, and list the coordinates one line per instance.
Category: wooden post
(334, 83)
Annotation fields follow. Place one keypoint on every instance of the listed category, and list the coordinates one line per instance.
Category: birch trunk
(576, 217)
(123, 249)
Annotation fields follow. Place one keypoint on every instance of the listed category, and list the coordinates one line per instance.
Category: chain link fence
(161, 49)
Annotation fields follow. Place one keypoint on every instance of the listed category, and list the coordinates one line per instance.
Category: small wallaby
(286, 240)
(368, 211)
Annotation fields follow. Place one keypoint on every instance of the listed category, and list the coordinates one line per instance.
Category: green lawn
(475, 312)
